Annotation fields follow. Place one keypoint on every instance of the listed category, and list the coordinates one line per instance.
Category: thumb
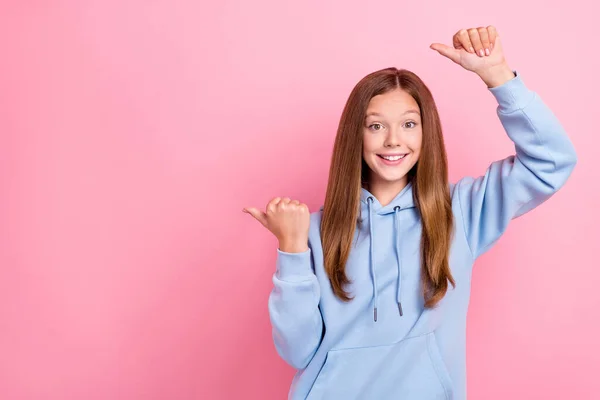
(257, 214)
(446, 51)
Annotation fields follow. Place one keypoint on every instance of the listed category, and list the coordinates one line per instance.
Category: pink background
(132, 133)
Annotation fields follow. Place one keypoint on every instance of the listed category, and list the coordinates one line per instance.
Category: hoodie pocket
(412, 369)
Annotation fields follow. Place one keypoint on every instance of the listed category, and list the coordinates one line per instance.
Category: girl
(371, 292)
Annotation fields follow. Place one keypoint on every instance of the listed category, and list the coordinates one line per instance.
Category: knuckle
(273, 201)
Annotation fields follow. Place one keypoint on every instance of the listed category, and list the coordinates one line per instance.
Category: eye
(376, 126)
(411, 122)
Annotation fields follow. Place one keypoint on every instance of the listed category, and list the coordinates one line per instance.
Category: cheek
(369, 144)
(415, 142)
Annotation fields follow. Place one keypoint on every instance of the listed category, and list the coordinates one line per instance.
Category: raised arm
(544, 156)
(543, 160)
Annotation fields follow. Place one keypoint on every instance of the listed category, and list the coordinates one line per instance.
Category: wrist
(497, 75)
(293, 247)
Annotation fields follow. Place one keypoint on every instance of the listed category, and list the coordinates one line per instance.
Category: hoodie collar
(404, 199)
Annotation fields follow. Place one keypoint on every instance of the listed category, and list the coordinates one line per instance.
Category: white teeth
(394, 158)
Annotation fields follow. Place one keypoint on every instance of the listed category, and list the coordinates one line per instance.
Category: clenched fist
(288, 220)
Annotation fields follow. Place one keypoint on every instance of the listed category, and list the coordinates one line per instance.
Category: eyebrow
(404, 113)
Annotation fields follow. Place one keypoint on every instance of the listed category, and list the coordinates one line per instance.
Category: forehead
(394, 102)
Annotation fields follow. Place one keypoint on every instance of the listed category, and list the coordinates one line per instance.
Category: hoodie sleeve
(543, 161)
(294, 308)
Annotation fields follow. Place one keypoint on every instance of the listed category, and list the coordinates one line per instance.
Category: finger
(284, 204)
(257, 214)
(272, 205)
(274, 201)
(446, 51)
(295, 202)
(492, 33)
(461, 40)
(476, 41)
(485, 40)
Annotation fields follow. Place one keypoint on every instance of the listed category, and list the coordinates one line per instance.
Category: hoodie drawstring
(398, 295)
(399, 259)
(369, 201)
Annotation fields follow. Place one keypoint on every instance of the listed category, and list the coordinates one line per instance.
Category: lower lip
(392, 163)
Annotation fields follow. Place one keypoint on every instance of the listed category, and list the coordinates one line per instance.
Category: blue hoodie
(384, 344)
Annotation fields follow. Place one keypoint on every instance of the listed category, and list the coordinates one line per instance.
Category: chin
(391, 178)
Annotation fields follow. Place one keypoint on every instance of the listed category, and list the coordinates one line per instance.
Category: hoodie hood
(369, 206)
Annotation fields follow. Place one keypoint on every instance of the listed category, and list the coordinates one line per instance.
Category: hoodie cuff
(294, 267)
(512, 95)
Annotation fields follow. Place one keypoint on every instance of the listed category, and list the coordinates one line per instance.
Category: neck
(385, 191)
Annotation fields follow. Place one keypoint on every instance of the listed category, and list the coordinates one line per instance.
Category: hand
(288, 220)
(478, 50)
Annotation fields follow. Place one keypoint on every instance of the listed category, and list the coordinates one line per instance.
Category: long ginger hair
(429, 176)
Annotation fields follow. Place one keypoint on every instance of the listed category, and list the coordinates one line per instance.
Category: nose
(393, 138)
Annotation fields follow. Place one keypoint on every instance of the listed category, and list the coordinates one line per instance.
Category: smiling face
(392, 138)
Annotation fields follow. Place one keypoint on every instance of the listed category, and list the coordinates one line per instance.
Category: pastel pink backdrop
(132, 133)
